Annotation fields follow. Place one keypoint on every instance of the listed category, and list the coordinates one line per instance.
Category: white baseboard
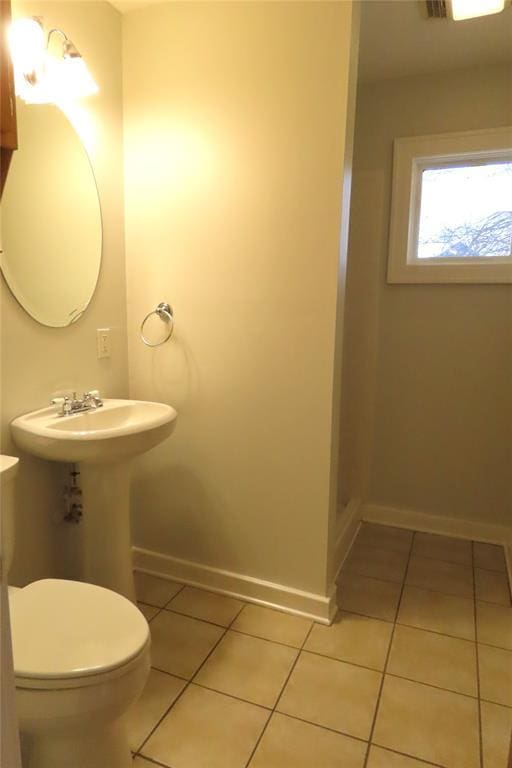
(321, 608)
(474, 530)
(348, 527)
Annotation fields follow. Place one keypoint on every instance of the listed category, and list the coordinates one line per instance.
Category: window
(451, 215)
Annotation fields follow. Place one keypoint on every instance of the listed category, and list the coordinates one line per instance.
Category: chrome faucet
(69, 405)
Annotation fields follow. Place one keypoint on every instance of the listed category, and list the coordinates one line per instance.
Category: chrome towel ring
(165, 313)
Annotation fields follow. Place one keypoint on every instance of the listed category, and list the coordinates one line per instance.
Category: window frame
(413, 155)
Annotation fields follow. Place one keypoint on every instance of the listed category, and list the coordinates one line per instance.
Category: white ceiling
(397, 39)
(131, 5)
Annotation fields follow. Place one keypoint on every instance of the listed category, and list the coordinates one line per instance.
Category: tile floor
(416, 670)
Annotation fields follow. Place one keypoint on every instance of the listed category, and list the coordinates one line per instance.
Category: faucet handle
(63, 402)
(93, 398)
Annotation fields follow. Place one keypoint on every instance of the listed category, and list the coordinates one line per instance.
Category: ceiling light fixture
(470, 9)
(43, 76)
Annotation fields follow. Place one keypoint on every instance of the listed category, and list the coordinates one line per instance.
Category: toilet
(81, 658)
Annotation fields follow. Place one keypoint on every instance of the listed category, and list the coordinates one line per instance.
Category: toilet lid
(65, 629)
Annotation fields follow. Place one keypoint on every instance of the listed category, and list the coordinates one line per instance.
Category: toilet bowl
(81, 658)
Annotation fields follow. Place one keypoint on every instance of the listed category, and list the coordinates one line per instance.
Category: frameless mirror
(51, 233)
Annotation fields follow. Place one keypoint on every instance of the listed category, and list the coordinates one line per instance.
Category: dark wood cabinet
(8, 132)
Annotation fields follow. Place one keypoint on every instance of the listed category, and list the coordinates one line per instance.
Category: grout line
(498, 704)
(180, 590)
(300, 650)
(322, 727)
(185, 687)
(151, 760)
(171, 674)
(480, 732)
(431, 685)
(275, 642)
(279, 696)
(353, 572)
(341, 661)
(435, 632)
(379, 695)
(439, 592)
(408, 755)
(231, 696)
(443, 559)
(205, 621)
(499, 647)
(414, 586)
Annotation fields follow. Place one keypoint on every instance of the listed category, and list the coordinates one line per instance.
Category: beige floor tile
(492, 587)
(149, 611)
(160, 692)
(495, 666)
(273, 625)
(441, 576)
(496, 734)
(383, 758)
(370, 597)
(427, 723)
(353, 638)
(252, 669)
(489, 556)
(426, 657)
(179, 645)
(289, 743)
(333, 694)
(154, 591)
(384, 536)
(494, 624)
(207, 730)
(379, 563)
(440, 613)
(206, 606)
(443, 548)
(139, 762)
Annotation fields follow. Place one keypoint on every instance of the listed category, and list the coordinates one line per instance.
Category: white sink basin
(102, 442)
(119, 429)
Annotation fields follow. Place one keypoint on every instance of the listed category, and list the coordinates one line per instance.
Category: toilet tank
(8, 470)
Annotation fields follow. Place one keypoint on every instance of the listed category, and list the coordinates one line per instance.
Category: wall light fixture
(45, 72)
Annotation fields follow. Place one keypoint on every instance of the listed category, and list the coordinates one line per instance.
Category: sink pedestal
(102, 441)
(105, 539)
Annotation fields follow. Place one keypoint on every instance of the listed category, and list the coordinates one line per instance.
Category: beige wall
(36, 360)
(235, 117)
(428, 369)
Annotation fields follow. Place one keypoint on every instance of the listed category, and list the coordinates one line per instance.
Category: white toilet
(81, 658)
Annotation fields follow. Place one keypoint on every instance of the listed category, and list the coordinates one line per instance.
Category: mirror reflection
(51, 232)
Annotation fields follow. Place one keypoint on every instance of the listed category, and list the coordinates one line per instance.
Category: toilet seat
(68, 634)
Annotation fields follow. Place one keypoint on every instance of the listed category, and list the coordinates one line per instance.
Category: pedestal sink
(101, 441)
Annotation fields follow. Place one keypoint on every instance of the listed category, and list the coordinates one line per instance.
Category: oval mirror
(51, 233)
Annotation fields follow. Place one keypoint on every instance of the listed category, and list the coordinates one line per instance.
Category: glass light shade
(470, 9)
(27, 44)
(69, 78)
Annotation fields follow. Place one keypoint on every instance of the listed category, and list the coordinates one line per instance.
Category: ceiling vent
(436, 9)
